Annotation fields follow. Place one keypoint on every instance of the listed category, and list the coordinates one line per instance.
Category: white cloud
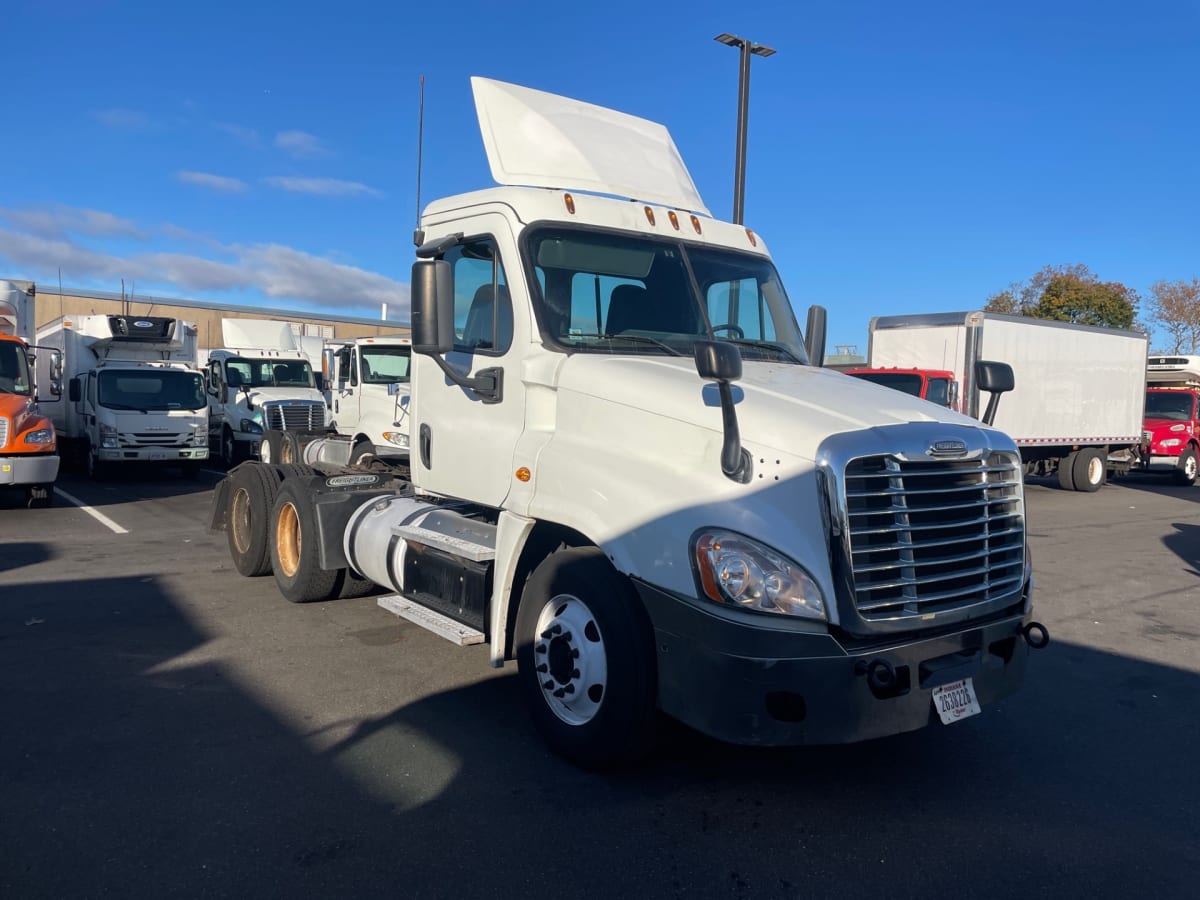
(323, 187)
(300, 144)
(58, 220)
(121, 118)
(214, 182)
(247, 136)
(279, 272)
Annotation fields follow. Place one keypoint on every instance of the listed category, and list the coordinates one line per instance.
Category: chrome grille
(4, 425)
(154, 439)
(933, 537)
(294, 415)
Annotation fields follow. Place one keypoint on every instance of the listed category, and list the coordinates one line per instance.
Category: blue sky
(902, 158)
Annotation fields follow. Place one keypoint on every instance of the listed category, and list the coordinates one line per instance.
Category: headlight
(737, 571)
(251, 426)
(41, 436)
(399, 438)
(108, 436)
(1179, 428)
(105, 428)
(1173, 442)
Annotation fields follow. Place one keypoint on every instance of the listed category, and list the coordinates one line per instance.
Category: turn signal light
(523, 474)
(649, 215)
(570, 201)
(674, 219)
(696, 224)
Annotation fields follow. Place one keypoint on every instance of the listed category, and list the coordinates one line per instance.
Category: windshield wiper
(746, 342)
(635, 338)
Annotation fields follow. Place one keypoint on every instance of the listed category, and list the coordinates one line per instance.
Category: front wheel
(1186, 469)
(585, 653)
(39, 496)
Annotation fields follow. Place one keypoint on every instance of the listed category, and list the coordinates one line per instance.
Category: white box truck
(630, 473)
(368, 395)
(1076, 409)
(259, 380)
(134, 392)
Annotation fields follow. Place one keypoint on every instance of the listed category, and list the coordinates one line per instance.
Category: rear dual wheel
(1083, 470)
(253, 488)
(295, 555)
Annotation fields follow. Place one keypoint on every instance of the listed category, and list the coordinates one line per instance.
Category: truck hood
(267, 394)
(23, 415)
(789, 408)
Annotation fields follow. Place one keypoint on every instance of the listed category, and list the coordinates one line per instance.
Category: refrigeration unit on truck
(260, 380)
(630, 474)
(367, 393)
(28, 377)
(1171, 437)
(1076, 409)
(134, 392)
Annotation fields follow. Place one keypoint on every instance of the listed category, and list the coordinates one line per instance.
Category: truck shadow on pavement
(136, 762)
(1185, 543)
(18, 554)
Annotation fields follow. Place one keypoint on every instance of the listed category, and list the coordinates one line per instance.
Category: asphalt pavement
(172, 729)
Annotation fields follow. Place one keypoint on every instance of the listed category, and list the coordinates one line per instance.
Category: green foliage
(1069, 294)
(1175, 305)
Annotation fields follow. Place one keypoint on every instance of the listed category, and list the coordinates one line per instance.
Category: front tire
(585, 653)
(39, 496)
(97, 469)
(362, 454)
(1186, 470)
(229, 452)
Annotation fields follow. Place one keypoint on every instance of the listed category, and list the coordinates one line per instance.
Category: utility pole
(747, 49)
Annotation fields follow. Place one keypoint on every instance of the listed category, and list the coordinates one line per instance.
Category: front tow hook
(881, 677)
(1036, 635)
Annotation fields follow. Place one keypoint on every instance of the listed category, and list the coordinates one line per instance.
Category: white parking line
(98, 516)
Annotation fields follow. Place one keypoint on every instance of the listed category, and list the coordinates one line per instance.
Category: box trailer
(1076, 410)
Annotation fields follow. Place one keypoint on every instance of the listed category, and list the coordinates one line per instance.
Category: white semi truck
(134, 394)
(1076, 409)
(630, 473)
(259, 380)
(368, 395)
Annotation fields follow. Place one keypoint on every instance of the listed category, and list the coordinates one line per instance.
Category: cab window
(483, 316)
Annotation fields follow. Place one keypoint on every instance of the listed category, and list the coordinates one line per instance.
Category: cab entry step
(443, 626)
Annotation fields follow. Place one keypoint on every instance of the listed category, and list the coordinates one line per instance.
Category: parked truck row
(629, 473)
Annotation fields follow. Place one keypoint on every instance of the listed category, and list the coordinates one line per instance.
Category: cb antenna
(418, 235)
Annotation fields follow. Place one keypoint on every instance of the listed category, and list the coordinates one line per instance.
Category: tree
(1069, 294)
(1175, 305)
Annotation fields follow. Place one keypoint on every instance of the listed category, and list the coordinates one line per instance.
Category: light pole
(739, 176)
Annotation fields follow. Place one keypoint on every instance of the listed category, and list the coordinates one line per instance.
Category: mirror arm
(488, 384)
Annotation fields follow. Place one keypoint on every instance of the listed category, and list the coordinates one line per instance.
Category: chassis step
(442, 626)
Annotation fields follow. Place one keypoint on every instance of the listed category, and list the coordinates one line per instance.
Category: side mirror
(952, 396)
(73, 392)
(721, 361)
(718, 361)
(814, 335)
(996, 378)
(432, 298)
(56, 366)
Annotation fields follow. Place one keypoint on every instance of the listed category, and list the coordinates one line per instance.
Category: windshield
(244, 371)
(151, 389)
(612, 293)
(14, 370)
(1176, 406)
(908, 382)
(384, 365)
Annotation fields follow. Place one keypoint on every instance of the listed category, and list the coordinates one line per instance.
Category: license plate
(157, 454)
(955, 701)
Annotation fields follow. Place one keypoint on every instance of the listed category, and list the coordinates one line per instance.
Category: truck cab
(935, 385)
(260, 380)
(1171, 437)
(368, 393)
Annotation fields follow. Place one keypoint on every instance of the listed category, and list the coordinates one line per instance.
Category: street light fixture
(747, 49)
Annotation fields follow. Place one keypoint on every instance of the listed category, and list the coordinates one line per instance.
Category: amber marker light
(674, 219)
(753, 239)
(570, 201)
(649, 215)
(708, 581)
(523, 474)
(696, 224)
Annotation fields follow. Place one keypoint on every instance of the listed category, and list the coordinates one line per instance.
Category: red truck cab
(1171, 431)
(935, 385)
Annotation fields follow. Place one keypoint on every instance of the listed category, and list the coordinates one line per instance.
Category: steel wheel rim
(239, 520)
(227, 448)
(264, 451)
(1095, 470)
(287, 539)
(570, 660)
(1189, 467)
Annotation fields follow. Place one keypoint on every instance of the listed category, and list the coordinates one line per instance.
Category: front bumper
(41, 468)
(153, 454)
(736, 680)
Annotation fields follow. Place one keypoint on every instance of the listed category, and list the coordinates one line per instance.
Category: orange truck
(28, 447)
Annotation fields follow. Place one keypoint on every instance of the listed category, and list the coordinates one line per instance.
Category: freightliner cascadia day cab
(260, 380)
(28, 442)
(1076, 408)
(1171, 436)
(134, 392)
(630, 474)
